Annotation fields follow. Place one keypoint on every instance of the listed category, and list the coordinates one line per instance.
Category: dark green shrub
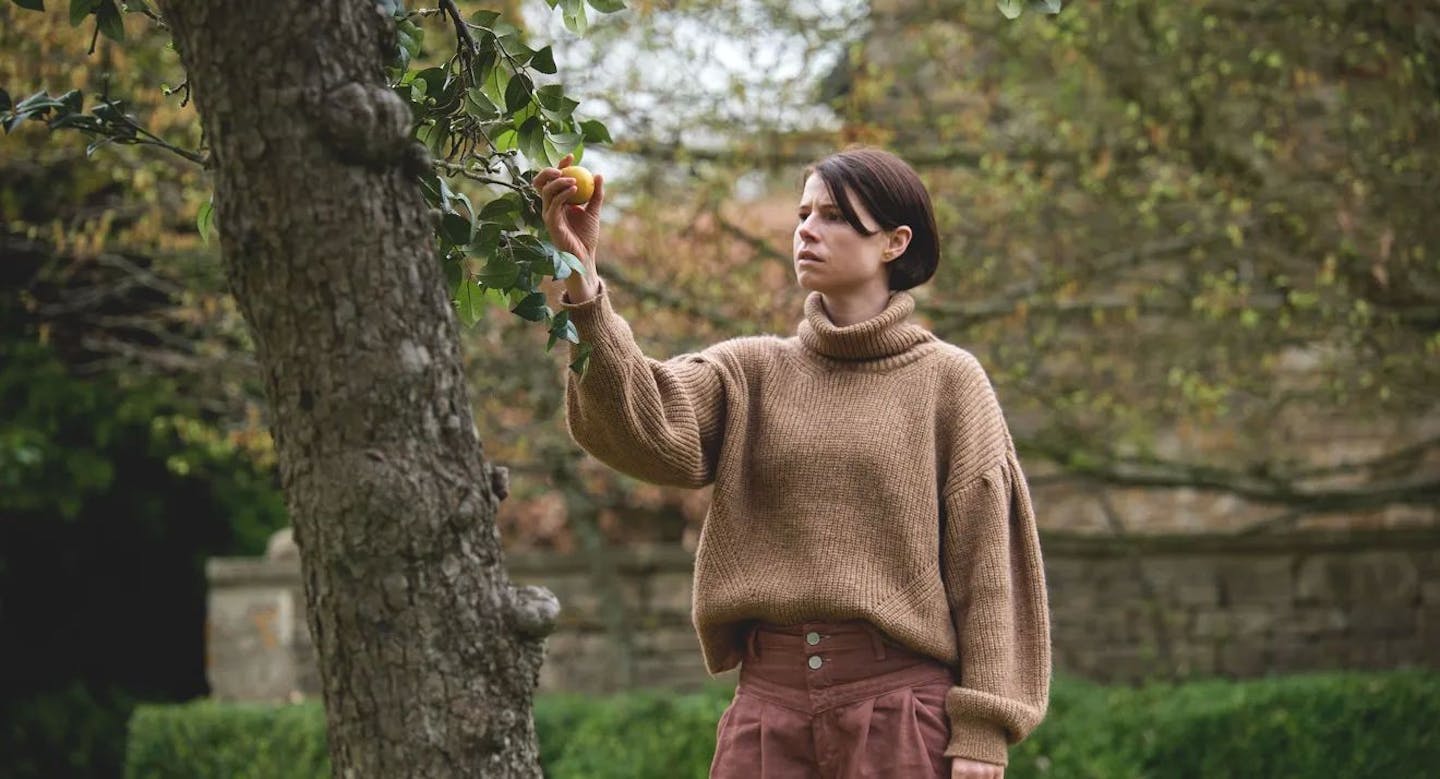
(1298, 727)
(642, 735)
(230, 741)
(1312, 725)
(72, 731)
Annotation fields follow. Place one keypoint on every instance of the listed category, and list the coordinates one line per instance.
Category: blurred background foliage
(131, 445)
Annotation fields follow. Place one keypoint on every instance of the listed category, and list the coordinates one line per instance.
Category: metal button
(812, 638)
(815, 662)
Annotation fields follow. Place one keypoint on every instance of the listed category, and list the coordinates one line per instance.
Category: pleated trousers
(833, 700)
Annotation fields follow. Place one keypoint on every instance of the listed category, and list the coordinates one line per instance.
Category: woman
(870, 558)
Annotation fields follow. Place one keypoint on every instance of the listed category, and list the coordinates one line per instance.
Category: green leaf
(469, 303)
(1010, 9)
(79, 9)
(595, 131)
(501, 272)
(484, 18)
(71, 102)
(529, 249)
(456, 229)
(1045, 6)
(565, 263)
(434, 80)
(496, 84)
(478, 105)
(507, 140)
(469, 207)
(561, 270)
(578, 364)
(434, 136)
(91, 148)
(107, 16)
(516, 48)
(205, 219)
(517, 93)
(607, 6)
(454, 267)
(532, 308)
(430, 186)
(571, 261)
(410, 38)
(544, 61)
(566, 142)
(486, 240)
(78, 122)
(573, 12)
(503, 211)
(551, 96)
(532, 140)
(564, 327)
(34, 5)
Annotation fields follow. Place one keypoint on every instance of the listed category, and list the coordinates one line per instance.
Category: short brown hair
(894, 194)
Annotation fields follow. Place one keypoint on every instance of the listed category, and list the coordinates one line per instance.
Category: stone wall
(1121, 610)
(1243, 607)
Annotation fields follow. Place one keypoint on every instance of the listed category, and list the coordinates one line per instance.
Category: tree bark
(428, 655)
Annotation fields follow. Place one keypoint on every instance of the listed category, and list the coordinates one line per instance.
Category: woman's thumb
(597, 198)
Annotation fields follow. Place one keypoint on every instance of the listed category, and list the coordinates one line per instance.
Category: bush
(229, 740)
(1351, 724)
(1316, 726)
(639, 735)
(71, 731)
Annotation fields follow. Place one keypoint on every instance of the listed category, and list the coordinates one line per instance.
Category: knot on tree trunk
(532, 611)
(365, 124)
(500, 481)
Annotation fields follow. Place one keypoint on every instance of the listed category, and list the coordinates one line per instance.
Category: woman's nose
(804, 231)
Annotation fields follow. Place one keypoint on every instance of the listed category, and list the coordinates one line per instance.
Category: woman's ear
(897, 241)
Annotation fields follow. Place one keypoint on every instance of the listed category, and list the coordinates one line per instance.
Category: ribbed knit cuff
(594, 318)
(977, 739)
(586, 305)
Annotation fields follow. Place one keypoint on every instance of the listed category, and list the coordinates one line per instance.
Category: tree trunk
(428, 656)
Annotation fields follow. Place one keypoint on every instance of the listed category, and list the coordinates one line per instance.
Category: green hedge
(1347, 724)
(206, 739)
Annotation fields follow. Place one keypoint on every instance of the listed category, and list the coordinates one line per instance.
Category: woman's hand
(961, 768)
(575, 229)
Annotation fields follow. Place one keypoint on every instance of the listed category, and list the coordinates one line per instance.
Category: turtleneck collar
(887, 334)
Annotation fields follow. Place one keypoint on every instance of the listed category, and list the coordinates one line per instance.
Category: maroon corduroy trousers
(833, 700)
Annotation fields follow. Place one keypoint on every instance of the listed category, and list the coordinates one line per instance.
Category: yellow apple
(584, 184)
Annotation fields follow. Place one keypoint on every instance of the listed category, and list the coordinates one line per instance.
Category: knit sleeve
(995, 586)
(660, 421)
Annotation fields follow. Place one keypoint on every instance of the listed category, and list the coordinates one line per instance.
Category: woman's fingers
(554, 214)
(960, 768)
(557, 186)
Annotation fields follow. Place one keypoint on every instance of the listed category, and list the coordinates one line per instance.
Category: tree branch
(464, 42)
(1276, 488)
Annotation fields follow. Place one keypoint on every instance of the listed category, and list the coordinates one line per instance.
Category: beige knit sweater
(860, 472)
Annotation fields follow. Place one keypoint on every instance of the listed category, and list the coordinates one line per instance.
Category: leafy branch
(107, 122)
(482, 114)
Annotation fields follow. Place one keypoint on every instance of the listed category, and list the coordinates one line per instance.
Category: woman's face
(829, 255)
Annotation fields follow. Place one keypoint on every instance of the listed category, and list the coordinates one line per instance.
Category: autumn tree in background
(1190, 241)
